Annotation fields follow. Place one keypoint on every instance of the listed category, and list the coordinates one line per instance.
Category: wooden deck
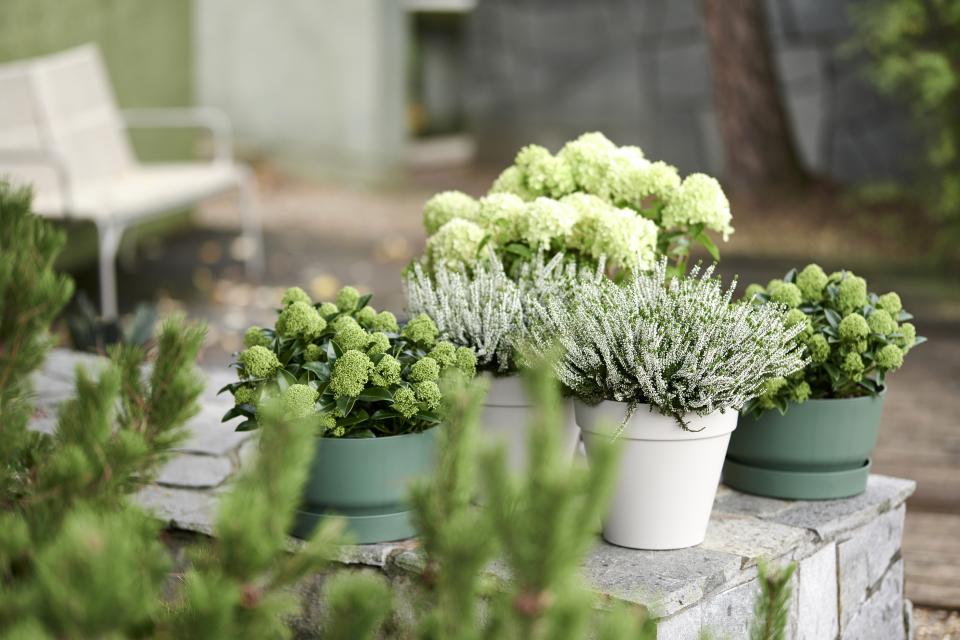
(920, 439)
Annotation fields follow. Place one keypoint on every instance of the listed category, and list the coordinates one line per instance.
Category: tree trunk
(760, 149)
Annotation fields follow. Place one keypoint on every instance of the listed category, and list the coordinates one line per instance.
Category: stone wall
(639, 70)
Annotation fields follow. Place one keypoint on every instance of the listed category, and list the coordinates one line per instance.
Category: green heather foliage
(913, 47)
(772, 608)
(358, 370)
(591, 200)
(853, 338)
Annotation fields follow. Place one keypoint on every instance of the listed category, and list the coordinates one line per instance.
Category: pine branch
(772, 608)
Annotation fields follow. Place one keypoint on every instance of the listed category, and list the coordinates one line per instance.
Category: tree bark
(759, 146)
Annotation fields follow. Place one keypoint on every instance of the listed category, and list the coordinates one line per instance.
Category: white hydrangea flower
(455, 244)
(674, 343)
(543, 173)
(589, 209)
(511, 180)
(500, 214)
(700, 199)
(589, 158)
(445, 206)
(626, 239)
(546, 220)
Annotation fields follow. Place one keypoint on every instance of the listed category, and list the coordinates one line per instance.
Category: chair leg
(109, 237)
(251, 224)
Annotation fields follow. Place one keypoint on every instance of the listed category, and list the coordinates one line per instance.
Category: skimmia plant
(853, 338)
(677, 344)
(592, 198)
(361, 372)
(484, 309)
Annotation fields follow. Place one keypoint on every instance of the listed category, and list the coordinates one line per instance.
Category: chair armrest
(214, 120)
(50, 157)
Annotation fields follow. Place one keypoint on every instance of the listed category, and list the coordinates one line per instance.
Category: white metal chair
(61, 132)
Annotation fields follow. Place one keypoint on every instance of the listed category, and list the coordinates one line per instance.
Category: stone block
(729, 614)
(733, 502)
(865, 558)
(881, 616)
(816, 595)
(195, 472)
(751, 538)
(180, 508)
(831, 518)
(683, 625)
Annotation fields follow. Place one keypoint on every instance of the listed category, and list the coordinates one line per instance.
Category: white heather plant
(482, 308)
(677, 344)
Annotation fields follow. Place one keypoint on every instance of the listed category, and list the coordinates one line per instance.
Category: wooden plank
(931, 550)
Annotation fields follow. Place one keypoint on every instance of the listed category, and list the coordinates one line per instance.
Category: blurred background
(834, 125)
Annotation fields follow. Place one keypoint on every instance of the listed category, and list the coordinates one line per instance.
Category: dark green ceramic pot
(365, 481)
(819, 449)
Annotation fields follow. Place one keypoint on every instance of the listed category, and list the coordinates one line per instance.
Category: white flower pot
(667, 478)
(506, 418)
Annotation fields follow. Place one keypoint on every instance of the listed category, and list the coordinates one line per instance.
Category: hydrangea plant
(853, 338)
(592, 198)
(363, 373)
(485, 309)
(674, 343)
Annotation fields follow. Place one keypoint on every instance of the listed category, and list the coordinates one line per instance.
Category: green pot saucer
(796, 485)
(363, 529)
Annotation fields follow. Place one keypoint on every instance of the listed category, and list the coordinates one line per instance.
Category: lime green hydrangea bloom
(851, 293)
(660, 180)
(853, 328)
(800, 392)
(546, 221)
(405, 402)
(426, 368)
(589, 160)
(853, 366)
(295, 294)
(881, 322)
(328, 309)
(347, 298)
(313, 352)
(511, 180)
(455, 244)
(785, 293)
(890, 302)
(350, 374)
(343, 321)
(908, 335)
(626, 239)
(633, 178)
(501, 215)
(385, 322)
(589, 216)
(795, 316)
(445, 353)
(699, 200)
(890, 357)
(446, 206)
(351, 337)
(467, 361)
(422, 330)
(386, 373)
(366, 316)
(811, 281)
(255, 336)
(544, 174)
(259, 362)
(327, 424)
(753, 290)
(428, 393)
(771, 388)
(378, 342)
(300, 320)
(818, 348)
(299, 401)
(245, 395)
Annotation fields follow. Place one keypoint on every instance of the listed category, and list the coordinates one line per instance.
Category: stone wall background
(547, 70)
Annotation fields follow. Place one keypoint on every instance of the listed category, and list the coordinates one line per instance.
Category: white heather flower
(511, 180)
(589, 158)
(500, 215)
(455, 244)
(543, 173)
(445, 206)
(676, 344)
(700, 199)
(546, 220)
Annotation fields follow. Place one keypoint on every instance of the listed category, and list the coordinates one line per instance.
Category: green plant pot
(818, 450)
(365, 481)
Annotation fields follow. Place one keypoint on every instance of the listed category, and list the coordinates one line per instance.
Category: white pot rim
(646, 423)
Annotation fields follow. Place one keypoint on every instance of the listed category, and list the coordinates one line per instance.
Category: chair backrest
(62, 104)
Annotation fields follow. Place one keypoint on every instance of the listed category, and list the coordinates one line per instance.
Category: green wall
(146, 43)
